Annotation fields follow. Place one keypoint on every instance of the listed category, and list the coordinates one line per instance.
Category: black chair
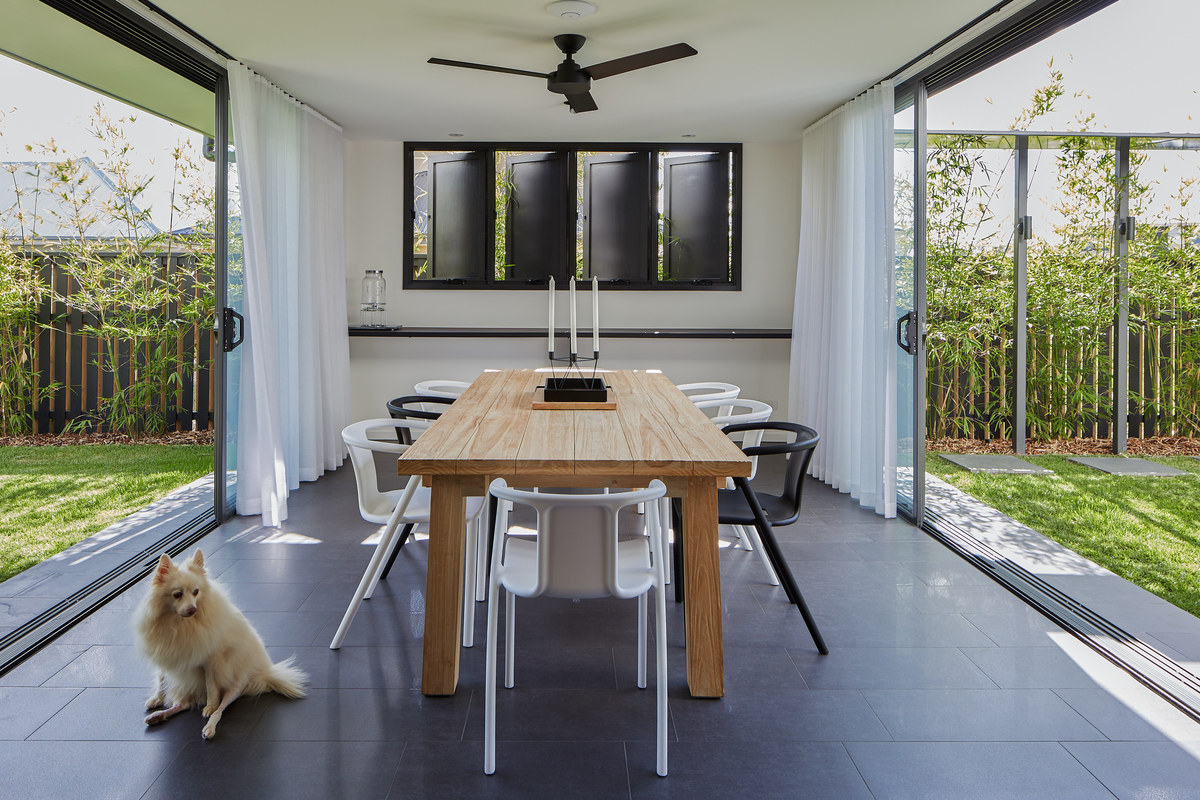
(748, 507)
(397, 409)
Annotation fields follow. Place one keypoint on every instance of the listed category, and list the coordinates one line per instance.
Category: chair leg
(408, 529)
(744, 538)
(510, 633)
(642, 640)
(389, 532)
(481, 559)
(664, 525)
(771, 545)
(677, 550)
(660, 636)
(468, 593)
(756, 545)
(489, 706)
(492, 518)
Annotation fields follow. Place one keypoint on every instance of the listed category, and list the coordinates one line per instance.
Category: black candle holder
(580, 388)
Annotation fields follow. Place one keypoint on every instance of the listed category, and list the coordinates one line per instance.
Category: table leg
(702, 575)
(444, 586)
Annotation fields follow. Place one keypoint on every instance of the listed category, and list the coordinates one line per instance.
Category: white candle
(595, 315)
(551, 346)
(574, 343)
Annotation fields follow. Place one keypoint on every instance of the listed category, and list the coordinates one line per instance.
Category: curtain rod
(842, 107)
(290, 97)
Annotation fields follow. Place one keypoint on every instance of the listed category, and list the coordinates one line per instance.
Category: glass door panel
(969, 258)
(1164, 301)
(905, 180)
(1071, 268)
(230, 325)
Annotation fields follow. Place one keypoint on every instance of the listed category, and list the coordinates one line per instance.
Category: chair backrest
(709, 391)
(577, 541)
(451, 389)
(741, 412)
(372, 503)
(799, 453)
(420, 418)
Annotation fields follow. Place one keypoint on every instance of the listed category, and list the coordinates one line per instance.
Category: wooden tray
(540, 404)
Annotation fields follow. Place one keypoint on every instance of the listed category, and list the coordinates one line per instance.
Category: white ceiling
(765, 69)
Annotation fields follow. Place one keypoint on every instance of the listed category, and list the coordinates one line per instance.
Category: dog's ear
(164, 567)
(198, 560)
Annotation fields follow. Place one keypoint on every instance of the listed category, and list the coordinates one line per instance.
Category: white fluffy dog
(202, 648)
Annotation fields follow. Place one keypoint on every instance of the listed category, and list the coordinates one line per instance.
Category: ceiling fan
(575, 82)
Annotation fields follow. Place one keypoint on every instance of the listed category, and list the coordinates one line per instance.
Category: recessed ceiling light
(570, 9)
(687, 136)
(456, 135)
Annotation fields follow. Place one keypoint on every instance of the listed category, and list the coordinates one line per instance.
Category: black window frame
(572, 151)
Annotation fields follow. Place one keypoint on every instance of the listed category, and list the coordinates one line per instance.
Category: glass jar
(374, 299)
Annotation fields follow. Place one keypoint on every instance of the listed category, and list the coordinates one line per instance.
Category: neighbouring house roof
(29, 189)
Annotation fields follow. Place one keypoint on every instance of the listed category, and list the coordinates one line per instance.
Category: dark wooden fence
(1164, 386)
(67, 356)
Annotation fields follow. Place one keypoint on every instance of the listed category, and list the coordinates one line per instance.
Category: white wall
(383, 368)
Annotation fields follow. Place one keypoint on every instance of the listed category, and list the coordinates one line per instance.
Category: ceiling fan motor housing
(569, 79)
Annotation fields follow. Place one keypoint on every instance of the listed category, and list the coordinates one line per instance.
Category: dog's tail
(285, 679)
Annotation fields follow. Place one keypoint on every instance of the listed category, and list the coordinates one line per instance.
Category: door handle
(228, 343)
(906, 333)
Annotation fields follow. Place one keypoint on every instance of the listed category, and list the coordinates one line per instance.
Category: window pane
(696, 217)
(456, 236)
(532, 226)
(616, 216)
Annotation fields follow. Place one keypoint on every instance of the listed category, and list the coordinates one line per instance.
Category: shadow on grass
(1142, 528)
(54, 497)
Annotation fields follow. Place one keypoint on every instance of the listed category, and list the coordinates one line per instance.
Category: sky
(1133, 63)
(38, 106)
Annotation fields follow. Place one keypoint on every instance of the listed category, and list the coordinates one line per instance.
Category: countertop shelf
(563, 333)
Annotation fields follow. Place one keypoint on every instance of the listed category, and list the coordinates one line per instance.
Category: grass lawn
(53, 497)
(1147, 530)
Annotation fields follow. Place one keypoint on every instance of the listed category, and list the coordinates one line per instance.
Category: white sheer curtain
(843, 367)
(295, 366)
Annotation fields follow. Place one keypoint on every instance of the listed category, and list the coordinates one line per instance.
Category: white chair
(407, 507)
(576, 555)
(737, 412)
(710, 390)
(451, 389)
(702, 393)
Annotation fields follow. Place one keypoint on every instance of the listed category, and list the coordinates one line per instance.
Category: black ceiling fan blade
(487, 68)
(581, 102)
(640, 60)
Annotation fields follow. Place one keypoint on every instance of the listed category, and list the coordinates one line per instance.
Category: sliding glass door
(229, 323)
(909, 229)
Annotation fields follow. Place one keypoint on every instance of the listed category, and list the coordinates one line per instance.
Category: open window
(514, 215)
(616, 217)
(696, 218)
(536, 198)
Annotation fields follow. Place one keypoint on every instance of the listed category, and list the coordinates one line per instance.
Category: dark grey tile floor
(939, 684)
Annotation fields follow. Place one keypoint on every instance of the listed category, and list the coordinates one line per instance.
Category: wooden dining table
(493, 431)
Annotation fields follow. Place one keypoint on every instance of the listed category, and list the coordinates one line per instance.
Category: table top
(492, 429)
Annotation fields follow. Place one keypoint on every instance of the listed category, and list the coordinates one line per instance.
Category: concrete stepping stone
(996, 464)
(1129, 466)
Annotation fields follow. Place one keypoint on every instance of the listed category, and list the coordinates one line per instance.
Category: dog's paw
(209, 711)
(154, 719)
(209, 731)
(158, 701)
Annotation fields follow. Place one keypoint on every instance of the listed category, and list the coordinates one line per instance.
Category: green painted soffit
(38, 35)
